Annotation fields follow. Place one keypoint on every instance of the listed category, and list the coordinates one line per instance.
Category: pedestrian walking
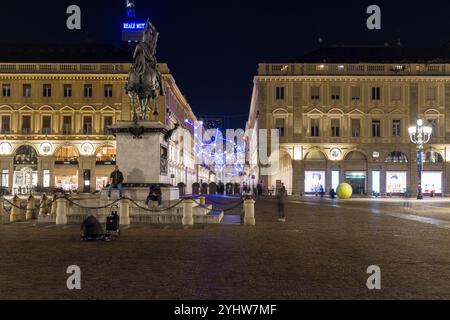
(281, 201)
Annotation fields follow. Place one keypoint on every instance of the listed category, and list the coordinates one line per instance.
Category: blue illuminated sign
(133, 25)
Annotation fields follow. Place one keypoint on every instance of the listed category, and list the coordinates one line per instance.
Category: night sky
(213, 47)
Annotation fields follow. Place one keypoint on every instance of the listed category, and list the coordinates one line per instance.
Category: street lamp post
(420, 135)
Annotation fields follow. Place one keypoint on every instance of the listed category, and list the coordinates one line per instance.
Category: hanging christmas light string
(212, 153)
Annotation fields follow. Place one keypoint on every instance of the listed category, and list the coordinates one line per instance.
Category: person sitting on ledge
(115, 182)
(155, 195)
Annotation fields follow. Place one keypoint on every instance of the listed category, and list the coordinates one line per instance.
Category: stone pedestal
(141, 193)
(142, 156)
(142, 152)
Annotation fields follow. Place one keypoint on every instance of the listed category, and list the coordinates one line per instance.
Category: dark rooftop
(67, 53)
(381, 54)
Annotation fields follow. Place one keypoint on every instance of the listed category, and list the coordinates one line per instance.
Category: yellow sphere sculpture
(344, 191)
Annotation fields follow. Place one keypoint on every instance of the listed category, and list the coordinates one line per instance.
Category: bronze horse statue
(145, 82)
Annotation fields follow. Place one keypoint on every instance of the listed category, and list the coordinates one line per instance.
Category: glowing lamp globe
(344, 191)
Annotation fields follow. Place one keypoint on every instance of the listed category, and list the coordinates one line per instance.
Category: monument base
(139, 194)
(142, 151)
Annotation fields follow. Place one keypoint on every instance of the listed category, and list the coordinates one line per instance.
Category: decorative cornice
(351, 78)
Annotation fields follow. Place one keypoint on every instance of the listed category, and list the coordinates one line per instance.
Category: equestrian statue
(145, 82)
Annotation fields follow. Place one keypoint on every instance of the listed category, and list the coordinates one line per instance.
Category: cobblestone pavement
(322, 252)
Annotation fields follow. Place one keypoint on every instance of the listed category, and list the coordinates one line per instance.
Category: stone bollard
(249, 210)
(31, 205)
(42, 205)
(15, 210)
(61, 211)
(125, 212)
(54, 206)
(2, 208)
(188, 209)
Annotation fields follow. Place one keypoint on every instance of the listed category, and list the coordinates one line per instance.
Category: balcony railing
(108, 68)
(333, 69)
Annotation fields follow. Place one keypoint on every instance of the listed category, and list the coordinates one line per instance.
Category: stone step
(214, 217)
(202, 210)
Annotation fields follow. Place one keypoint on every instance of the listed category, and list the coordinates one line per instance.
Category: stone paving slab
(322, 252)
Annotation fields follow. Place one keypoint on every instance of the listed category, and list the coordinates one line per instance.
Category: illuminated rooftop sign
(133, 25)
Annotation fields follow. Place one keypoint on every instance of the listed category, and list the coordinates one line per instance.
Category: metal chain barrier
(154, 210)
(224, 210)
(114, 204)
(110, 205)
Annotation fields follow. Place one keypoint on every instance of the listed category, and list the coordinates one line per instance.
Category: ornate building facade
(343, 115)
(55, 105)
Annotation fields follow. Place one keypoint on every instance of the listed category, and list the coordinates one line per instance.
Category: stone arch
(336, 111)
(6, 108)
(88, 108)
(356, 155)
(25, 154)
(67, 152)
(46, 108)
(376, 111)
(315, 154)
(396, 111)
(281, 165)
(106, 153)
(433, 156)
(432, 112)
